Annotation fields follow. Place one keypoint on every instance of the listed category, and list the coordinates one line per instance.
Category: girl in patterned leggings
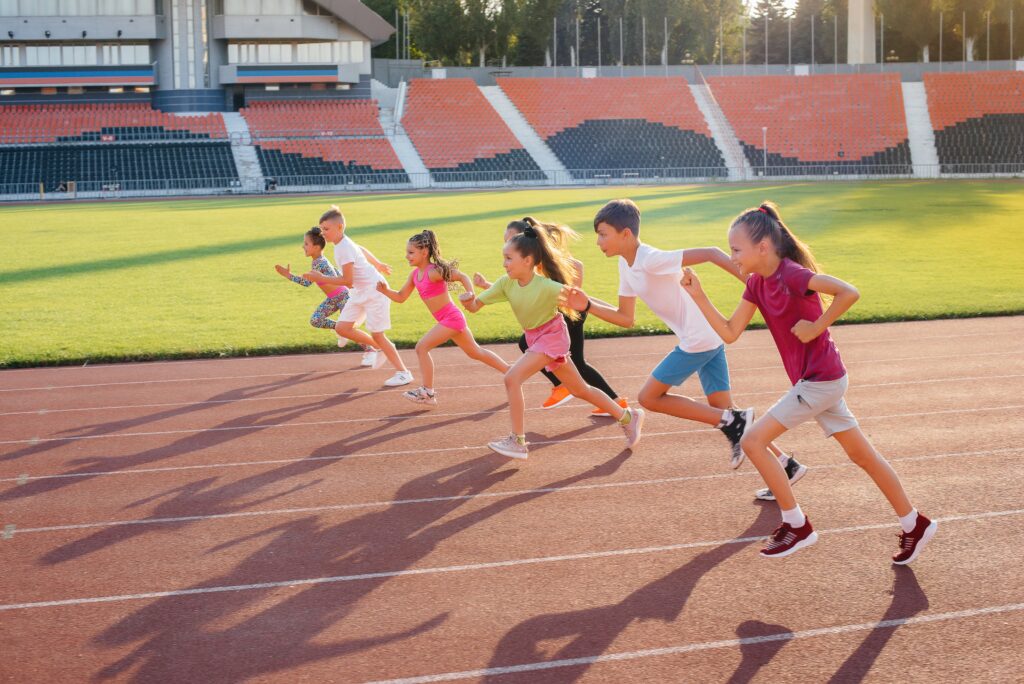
(313, 244)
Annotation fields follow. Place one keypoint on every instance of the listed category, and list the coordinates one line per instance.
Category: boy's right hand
(479, 280)
(690, 282)
(575, 298)
(466, 297)
(286, 271)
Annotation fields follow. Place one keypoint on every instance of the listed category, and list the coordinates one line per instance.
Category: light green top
(534, 305)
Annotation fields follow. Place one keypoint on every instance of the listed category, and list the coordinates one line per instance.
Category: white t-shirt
(364, 275)
(654, 278)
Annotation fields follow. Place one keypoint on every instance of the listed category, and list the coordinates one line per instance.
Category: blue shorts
(710, 367)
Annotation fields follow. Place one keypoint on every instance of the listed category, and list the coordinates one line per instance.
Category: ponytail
(536, 243)
(316, 237)
(559, 234)
(427, 240)
(766, 222)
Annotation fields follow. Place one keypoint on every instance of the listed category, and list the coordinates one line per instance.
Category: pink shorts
(550, 339)
(339, 291)
(450, 316)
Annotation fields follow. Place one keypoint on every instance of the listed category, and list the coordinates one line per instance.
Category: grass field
(184, 278)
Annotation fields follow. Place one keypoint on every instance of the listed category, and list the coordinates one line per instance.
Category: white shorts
(370, 306)
(822, 401)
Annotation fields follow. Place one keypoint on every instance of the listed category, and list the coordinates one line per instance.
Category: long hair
(560, 234)
(766, 222)
(554, 263)
(426, 239)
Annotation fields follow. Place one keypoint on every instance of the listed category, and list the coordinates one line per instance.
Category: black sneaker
(741, 420)
(794, 471)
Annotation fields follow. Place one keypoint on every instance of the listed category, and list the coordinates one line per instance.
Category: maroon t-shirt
(784, 300)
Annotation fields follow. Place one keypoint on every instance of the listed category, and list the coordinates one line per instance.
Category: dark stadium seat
(27, 124)
(330, 162)
(459, 135)
(824, 124)
(619, 126)
(978, 120)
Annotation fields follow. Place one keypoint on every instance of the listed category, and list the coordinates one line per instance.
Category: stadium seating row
(26, 124)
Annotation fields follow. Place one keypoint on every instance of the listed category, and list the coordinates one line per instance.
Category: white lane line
(471, 447)
(484, 495)
(300, 397)
(293, 424)
(707, 645)
(48, 388)
(471, 566)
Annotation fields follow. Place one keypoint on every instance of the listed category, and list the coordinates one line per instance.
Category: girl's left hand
(690, 282)
(805, 331)
(382, 287)
(286, 271)
(383, 268)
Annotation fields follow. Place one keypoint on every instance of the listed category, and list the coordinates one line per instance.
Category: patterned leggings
(331, 305)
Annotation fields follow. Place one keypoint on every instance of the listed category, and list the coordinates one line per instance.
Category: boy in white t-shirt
(653, 276)
(365, 302)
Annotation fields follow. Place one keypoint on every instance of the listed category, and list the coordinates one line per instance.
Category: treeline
(523, 32)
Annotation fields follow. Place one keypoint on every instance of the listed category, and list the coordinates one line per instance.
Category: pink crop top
(426, 287)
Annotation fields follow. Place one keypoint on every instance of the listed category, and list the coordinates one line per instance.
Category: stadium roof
(360, 17)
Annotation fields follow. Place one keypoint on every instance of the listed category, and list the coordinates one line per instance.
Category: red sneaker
(913, 542)
(787, 539)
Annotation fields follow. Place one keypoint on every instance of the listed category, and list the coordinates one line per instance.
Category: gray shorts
(822, 401)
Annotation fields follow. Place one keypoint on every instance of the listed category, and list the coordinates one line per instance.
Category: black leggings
(590, 375)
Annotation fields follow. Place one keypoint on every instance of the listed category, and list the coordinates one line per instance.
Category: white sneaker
(398, 379)
(421, 396)
(379, 360)
(634, 428)
(368, 357)
(342, 342)
(509, 446)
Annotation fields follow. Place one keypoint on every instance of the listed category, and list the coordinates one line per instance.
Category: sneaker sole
(929, 532)
(424, 404)
(639, 417)
(508, 454)
(568, 398)
(388, 383)
(766, 494)
(812, 538)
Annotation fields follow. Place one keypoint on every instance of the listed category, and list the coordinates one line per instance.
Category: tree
(771, 16)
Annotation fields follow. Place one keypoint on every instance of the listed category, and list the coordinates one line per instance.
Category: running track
(285, 519)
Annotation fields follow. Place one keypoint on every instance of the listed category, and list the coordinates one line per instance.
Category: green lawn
(164, 279)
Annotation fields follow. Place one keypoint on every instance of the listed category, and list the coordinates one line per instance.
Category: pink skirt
(450, 316)
(550, 339)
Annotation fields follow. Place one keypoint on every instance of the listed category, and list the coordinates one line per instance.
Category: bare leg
(381, 341)
(528, 364)
(723, 400)
(573, 381)
(655, 397)
(474, 351)
(437, 335)
(350, 332)
(755, 444)
(861, 452)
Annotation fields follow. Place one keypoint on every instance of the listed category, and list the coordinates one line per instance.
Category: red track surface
(286, 519)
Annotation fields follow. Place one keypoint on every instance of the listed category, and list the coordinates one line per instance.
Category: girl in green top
(535, 302)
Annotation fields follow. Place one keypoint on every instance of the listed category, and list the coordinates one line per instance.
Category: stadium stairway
(246, 160)
(725, 137)
(920, 134)
(538, 149)
(417, 171)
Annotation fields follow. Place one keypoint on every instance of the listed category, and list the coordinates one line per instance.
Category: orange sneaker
(559, 395)
(601, 413)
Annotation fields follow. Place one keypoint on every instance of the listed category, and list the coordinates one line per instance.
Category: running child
(365, 303)
(785, 284)
(535, 302)
(313, 244)
(430, 277)
(561, 236)
(653, 276)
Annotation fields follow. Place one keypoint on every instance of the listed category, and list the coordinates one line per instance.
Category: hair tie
(763, 211)
(530, 232)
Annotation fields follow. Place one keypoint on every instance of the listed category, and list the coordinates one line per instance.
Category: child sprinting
(653, 275)
(365, 303)
(561, 236)
(784, 284)
(430, 277)
(313, 244)
(535, 302)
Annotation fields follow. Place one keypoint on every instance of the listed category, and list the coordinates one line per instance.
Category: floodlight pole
(599, 45)
(622, 59)
(554, 46)
(764, 150)
(643, 43)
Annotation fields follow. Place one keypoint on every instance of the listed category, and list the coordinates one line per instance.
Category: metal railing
(399, 180)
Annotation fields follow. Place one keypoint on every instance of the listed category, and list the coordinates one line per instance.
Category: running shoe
(913, 542)
(559, 395)
(398, 379)
(421, 396)
(369, 356)
(633, 427)
(509, 446)
(601, 413)
(794, 471)
(787, 539)
(734, 431)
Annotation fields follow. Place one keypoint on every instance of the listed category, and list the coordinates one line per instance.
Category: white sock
(783, 459)
(726, 418)
(794, 516)
(909, 521)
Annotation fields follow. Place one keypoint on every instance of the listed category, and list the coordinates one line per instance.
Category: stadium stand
(619, 126)
(322, 142)
(459, 135)
(27, 124)
(823, 124)
(123, 167)
(978, 119)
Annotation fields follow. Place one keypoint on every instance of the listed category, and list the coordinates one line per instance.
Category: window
(11, 56)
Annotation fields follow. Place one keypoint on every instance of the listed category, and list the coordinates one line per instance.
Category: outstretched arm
(844, 295)
(623, 316)
(712, 255)
(397, 295)
(728, 329)
(286, 271)
(347, 272)
(375, 262)
(481, 282)
(461, 277)
(470, 302)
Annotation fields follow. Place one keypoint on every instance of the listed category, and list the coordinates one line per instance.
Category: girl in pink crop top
(430, 277)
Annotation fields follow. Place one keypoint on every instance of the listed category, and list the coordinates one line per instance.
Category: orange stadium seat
(27, 124)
